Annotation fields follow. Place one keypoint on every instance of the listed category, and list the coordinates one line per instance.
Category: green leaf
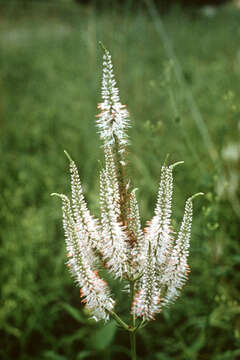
(78, 335)
(104, 336)
(229, 355)
(84, 354)
(51, 355)
(162, 355)
(76, 315)
(197, 345)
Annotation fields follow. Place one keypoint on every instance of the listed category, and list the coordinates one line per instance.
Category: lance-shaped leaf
(81, 261)
(113, 119)
(81, 213)
(113, 233)
(176, 273)
(146, 302)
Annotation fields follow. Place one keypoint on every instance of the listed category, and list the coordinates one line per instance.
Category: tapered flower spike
(113, 233)
(111, 171)
(136, 236)
(176, 273)
(81, 261)
(113, 118)
(146, 303)
(158, 231)
(82, 215)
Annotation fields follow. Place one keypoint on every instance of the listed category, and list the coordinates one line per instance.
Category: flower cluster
(153, 259)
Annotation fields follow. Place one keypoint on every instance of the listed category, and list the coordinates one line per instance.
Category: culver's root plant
(153, 261)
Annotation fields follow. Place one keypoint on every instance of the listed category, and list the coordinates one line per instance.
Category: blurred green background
(178, 69)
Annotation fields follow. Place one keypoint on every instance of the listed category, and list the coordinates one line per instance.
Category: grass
(50, 73)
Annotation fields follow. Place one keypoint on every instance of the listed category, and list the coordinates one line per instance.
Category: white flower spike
(113, 119)
(82, 264)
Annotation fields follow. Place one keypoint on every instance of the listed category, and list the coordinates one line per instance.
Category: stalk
(119, 320)
(133, 344)
(133, 332)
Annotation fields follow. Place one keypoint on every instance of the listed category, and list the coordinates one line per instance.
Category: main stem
(133, 333)
(133, 344)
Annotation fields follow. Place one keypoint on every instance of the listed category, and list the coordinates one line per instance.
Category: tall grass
(49, 76)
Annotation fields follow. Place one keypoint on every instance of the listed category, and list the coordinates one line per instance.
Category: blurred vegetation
(163, 4)
(179, 76)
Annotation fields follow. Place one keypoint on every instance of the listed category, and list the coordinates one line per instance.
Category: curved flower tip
(134, 190)
(176, 164)
(56, 194)
(196, 195)
(102, 46)
(68, 156)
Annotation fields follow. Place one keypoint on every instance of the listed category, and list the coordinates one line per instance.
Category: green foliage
(102, 338)
(49, 76)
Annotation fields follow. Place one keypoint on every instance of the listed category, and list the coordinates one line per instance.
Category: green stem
(133, 345)
(132, 328)
(119, 320)
(132, 286)
(133, 332)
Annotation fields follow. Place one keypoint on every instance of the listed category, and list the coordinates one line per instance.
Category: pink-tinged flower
(114, 236)
(82, 263)
(177, 269)
(146, 303)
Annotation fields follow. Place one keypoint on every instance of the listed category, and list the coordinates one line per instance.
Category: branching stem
(119, 320)
(132, 328)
